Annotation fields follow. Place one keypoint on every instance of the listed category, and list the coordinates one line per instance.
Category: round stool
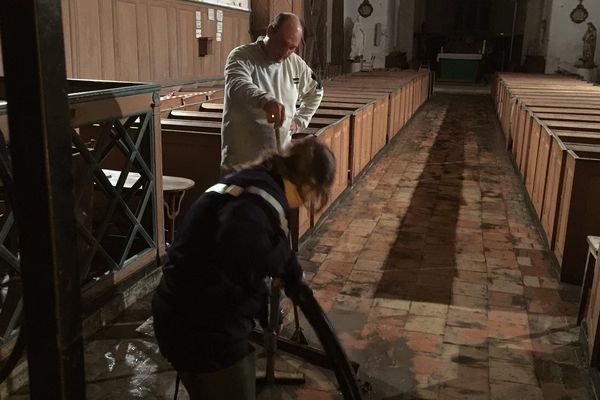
(174, 188)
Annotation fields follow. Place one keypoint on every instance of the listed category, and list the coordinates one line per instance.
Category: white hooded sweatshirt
(251, 80)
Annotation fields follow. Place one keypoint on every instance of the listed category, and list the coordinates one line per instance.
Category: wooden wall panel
(216, 62)
(185, 39)
(228, 38)
(107, 38)
(86, 38)
(126, 39)
(298, 7)
(201, 63)
(66, 33)
(158, 24)
(173, 48)
(144, 59)
(260, 16)
(146, 40)
(279, 6)
(263, 12)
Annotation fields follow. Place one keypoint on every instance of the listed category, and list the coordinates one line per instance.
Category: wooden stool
(588, 275)
(174, 188)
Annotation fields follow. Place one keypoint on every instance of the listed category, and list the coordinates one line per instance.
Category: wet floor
(432, 271)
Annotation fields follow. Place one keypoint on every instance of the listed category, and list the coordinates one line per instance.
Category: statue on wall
(357, 45)
(589, 46)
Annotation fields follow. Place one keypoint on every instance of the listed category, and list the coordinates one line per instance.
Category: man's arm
(238, 80)
(310, 94)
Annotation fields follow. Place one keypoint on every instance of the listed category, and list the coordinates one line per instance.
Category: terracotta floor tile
(343, 256)
(428, 309)
(506, 371)
(507, 330)
(368, 265)
(357, 289)
(341, 246)
(557, 391)
(509, 390)
(514, 317)
(506, 286)
(418, 323)
(471, 276)
(466, 336)
(421, 342)
(463, 288)
(425, 364)
(500, 350)
(457, 393)
(467, 317)
(469, 302)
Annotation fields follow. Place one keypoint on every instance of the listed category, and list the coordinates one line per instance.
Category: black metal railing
(114, 172)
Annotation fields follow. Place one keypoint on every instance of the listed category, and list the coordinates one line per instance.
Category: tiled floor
(433, 273)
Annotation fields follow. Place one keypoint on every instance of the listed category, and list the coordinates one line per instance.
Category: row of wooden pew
(552, 126)
(359, 114)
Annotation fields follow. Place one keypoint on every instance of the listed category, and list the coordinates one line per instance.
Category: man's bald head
(285, 18)
(284, 35)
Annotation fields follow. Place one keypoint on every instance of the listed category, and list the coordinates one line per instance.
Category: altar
(459, 66)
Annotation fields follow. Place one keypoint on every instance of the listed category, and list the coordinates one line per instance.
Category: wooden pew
(335, 133)
(578, 215)
(382, 127)
(214, 116)
(361, 134)
(190, 125)
(192, 149)
(554, 126)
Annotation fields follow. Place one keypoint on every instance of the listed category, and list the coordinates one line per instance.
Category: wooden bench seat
(561, 110)
(568, 117)
(190, 125)
(196, 115)
(572, 125)
(211, 106)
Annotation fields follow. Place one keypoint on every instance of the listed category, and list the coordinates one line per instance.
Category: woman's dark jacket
(213, 284)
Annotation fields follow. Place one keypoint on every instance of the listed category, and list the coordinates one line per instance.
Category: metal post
(40, 144)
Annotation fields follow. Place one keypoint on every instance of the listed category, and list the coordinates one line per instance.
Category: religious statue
(589, 46)
(357, 44)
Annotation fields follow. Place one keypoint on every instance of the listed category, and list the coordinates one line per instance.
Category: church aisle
(434, 272)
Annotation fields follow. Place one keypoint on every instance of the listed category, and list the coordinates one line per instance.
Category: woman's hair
(305, 163)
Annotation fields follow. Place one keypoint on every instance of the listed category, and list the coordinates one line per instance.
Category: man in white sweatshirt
(263, 82)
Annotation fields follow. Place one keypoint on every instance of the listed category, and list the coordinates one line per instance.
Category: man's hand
(293, 127)
(275, 112)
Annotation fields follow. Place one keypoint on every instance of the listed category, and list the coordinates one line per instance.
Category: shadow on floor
(421, 264)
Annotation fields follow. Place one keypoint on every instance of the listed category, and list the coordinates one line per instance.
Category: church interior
(455, 257)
